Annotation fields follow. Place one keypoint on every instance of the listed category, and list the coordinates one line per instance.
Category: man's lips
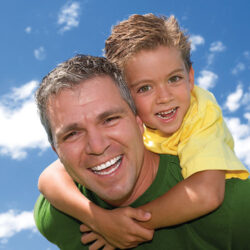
(167, 114)
(107, 167)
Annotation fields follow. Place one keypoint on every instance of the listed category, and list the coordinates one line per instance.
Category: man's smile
(107, 167)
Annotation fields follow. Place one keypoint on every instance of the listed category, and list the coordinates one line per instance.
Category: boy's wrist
(96, 214)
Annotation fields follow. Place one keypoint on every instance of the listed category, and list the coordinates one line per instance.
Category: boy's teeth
(167, 112)
(115, 161)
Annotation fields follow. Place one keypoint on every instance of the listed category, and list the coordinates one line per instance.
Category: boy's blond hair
(145, 32)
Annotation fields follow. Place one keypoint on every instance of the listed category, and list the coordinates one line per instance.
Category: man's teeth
(115, 162)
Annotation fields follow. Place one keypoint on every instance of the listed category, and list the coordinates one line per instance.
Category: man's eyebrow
(64, 130)
(111, 112)
(100, 117)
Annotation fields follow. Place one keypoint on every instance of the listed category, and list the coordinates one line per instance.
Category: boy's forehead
(151, 62)
(161, 50)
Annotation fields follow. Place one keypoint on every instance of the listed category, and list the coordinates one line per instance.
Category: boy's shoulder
(203, 95)
(203, 99)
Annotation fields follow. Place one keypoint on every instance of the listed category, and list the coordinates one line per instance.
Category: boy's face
(160, 85)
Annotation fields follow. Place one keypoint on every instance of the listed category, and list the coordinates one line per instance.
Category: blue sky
(37, 35)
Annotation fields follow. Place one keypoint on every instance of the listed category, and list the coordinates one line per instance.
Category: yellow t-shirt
(203, 142)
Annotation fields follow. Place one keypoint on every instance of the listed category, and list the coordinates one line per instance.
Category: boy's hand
(98, 241)
(120, 228)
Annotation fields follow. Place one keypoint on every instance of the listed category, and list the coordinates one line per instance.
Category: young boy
(180, 119)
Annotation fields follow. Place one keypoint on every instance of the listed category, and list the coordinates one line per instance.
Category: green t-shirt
(225, 228)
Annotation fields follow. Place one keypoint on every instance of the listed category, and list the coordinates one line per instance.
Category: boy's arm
(60, 190)
(191, 198)
(117, 226)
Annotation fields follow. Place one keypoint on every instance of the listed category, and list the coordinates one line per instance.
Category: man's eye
(112, 119)
(69, 135)
(143, 89)
(174, 79)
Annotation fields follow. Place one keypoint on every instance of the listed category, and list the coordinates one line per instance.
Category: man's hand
(120, 227)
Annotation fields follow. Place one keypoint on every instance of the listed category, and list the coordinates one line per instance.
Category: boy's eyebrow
(176, 71)
(148, 80)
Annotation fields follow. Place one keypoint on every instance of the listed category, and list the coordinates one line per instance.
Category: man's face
(98, 138)
(160, 86)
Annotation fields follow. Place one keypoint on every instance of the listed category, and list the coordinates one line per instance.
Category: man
(92, 126)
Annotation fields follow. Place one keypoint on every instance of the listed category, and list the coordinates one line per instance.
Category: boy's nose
(97, 142)
(163, 95)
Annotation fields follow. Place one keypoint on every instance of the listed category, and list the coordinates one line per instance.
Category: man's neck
(146, 176)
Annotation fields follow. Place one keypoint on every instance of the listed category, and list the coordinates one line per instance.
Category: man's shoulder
(169, 171)
(57, 227)
(169, 163)
(169, 159)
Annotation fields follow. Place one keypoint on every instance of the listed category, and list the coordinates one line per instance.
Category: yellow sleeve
(209, 145)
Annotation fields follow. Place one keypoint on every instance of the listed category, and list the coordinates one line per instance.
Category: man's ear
(140, 124)
(191, 78)
(54, 149)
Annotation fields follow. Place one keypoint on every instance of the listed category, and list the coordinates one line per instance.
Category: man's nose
(163, 94)
(97, 142)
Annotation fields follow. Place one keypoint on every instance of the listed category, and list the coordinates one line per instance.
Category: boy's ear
(140, 124)
(191, 77)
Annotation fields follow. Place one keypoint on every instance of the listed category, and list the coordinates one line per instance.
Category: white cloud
(247, 116)
(210, 59)
(246, 54)
(68, 16)
(40, 53)
(233, 101)
(13, 222)
(28, 29)
(246, 100)
(237, 99)
(239, 67)
(217, 47)
(241, 135)
(195, 41)
(20, 127)
(207, 79)
(24, 91)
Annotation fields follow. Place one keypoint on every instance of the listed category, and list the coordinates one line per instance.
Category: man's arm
(199, 194)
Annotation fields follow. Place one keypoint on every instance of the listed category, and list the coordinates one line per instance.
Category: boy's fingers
(84, 228)
(141, 233)
(88, 237)
(108, 247)
(145, 234)
(97, 245)
(141, 215)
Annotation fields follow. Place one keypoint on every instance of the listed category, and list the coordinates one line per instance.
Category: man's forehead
(94, 86)
(97, 97)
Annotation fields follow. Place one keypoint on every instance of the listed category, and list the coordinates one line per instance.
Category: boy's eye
(143, 89)
(174, 79)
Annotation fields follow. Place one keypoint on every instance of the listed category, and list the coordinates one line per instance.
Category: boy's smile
(160, 85)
